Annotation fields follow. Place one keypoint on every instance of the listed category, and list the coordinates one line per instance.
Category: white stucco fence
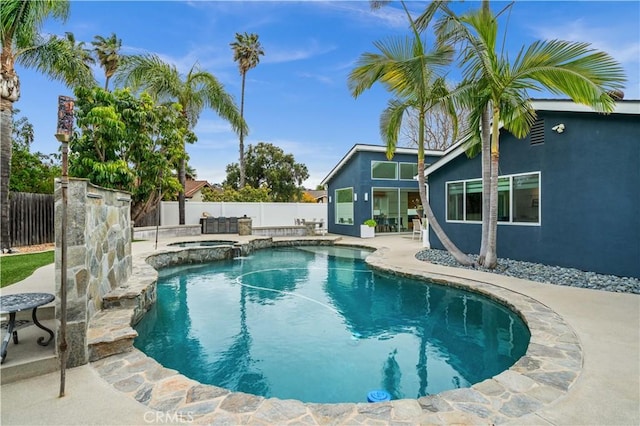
(262, 214)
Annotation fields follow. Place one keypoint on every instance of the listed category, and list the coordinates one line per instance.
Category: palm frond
(422, 22)
(59, 60)
(391, 123)
(21, 20)
(574, 69)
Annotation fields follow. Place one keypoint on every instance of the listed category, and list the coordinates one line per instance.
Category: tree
(245, 195)
(307, 198)
(407, 70)
(491, 81)
(439, 129)
(21, 43)
(195, 91)
(30, 172)
(246, 51)
(107, 50)
(128, 143)
(268, 166)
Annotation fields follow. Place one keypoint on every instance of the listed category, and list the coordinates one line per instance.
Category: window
(455, 201)
(473, 200)
(504, 199)
(384, 170)
(344, 206)
(408, 171)
(526, 190)
(518, 199)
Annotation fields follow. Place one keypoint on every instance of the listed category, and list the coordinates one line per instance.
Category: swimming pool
(317, 325)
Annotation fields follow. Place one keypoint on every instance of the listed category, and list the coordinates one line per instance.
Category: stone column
(244, 226)
(99, 256)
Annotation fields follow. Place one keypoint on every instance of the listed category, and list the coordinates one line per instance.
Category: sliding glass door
(393, 208)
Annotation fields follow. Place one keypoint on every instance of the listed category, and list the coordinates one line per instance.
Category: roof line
(374, 148)
(565, 105)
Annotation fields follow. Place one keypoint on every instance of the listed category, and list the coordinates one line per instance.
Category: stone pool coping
(551, 365)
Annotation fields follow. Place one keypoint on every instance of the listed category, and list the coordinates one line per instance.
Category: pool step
(110, 333)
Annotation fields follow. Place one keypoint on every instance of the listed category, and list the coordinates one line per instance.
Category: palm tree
(107, 50)
(246, 51)
(195, 91)
(408, 71)
(21, 43)
(79, 51)
(490, 81)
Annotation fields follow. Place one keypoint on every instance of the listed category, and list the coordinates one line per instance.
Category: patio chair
(417, 228)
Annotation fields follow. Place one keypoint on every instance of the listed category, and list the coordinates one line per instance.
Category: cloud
(281, 54)
(212, 126)
(360, 12)
(318, 77)
(617, 43)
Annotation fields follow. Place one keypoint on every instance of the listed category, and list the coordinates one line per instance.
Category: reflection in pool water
(317, 325)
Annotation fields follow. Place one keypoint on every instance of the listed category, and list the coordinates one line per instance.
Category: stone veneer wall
(98, 255)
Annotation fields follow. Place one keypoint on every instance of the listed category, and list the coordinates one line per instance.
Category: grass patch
(18, 267)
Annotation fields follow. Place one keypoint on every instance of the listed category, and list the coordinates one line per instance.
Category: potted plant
(368, 229)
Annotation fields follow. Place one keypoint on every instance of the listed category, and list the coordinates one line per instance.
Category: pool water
(316, 324)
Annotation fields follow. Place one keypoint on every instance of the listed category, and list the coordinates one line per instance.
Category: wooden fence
(31, 219)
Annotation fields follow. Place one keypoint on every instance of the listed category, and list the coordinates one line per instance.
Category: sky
(297, 97)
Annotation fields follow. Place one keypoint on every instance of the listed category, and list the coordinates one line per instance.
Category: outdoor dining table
(14, 303)
(313, 225)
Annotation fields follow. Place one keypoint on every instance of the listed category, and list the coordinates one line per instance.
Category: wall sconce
(366, 196)
(355, 197)
(329, 198)
(558, 128)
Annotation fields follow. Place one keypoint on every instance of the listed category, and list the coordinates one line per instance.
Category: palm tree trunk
(242, 165)
(486, 178)
(10, 92)
(491, 259)
(5, 171)
(422, 190)
(433, 222)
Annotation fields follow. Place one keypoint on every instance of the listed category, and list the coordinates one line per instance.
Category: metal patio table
(14, 303)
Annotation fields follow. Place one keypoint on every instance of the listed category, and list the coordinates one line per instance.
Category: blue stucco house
(569, 193)
(365, 185)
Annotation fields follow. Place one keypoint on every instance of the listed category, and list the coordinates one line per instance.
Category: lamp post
(63, 135)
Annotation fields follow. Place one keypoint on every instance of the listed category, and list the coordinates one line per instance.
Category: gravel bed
(542, 273)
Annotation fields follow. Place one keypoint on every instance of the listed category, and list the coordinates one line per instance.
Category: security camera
(558, 128)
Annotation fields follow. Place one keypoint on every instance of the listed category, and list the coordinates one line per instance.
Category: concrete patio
(606, 391)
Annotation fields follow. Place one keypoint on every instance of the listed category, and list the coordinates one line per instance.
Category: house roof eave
(561, 105)
(373, 148)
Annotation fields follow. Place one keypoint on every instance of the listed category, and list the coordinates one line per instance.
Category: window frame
(337, 202)
(400, 164)
(395, 164)
(510, 201)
